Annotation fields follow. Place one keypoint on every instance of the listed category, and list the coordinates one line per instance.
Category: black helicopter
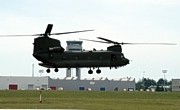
(52, 55)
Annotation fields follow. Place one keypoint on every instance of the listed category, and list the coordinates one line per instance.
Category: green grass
(90, 100)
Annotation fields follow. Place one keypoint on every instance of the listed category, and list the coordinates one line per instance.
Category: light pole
(164, 71)
(143, 80)
(33, 70)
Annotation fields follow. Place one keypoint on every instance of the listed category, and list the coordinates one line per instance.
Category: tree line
(147, 84)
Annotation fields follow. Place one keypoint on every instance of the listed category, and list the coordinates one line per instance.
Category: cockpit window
(113, 57)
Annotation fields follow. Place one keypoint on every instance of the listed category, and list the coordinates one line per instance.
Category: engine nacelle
(116, 48)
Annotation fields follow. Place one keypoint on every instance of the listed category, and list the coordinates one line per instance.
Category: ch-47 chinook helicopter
(51, 54)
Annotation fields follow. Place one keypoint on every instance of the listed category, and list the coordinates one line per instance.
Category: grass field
(90, 100)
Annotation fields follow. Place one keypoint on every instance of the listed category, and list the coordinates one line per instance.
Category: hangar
(22, 83)
(68, 84)
(102, 84)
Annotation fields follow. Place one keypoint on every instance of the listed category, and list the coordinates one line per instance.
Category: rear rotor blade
(48, 30)
(70, 32)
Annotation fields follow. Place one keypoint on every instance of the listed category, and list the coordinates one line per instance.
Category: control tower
(74, 46)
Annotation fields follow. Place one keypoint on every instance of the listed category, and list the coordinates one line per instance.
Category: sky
(119, 20)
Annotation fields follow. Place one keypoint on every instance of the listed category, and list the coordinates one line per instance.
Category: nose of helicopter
(126, 61)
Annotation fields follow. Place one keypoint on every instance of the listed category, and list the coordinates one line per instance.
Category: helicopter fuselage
(52, 55)
(82, 59)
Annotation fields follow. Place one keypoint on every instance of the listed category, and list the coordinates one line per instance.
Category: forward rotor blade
(95, 41)
(110, 41)
(124, 43)
(70, 32)
(150, 43)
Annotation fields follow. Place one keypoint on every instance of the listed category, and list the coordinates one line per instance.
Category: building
(23, 83)
(93, 84)
(67, 84)
(176, 85)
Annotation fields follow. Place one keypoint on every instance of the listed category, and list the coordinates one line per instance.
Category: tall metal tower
(74, 46)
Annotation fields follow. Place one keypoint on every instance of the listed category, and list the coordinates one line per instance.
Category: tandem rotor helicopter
(51, 54)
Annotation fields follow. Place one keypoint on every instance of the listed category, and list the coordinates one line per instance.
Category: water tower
(74, 46)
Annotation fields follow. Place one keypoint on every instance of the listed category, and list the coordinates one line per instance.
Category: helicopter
(51, 54)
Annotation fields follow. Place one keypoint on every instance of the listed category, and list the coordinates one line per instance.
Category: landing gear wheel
(90, 71)
(98, 71)
(48, 70)
(56, 70)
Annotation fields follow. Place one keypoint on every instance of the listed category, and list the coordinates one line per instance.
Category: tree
(145, 83)
(161, 83)
(139, 85)
(149, 82)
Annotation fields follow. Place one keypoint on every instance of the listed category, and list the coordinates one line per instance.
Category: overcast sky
(118, 20)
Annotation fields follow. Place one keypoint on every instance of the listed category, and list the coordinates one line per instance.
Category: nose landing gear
(55, 70)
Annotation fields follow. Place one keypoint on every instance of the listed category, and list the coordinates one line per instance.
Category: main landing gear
(55, 70)
(90, 71)
(48, 70)
(98, 71)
